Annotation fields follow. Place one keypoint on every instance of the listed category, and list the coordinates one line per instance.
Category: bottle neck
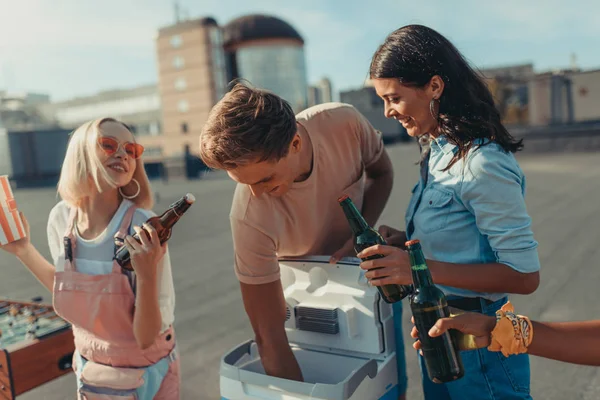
(355, 218)
(172, 215)
(420, 272)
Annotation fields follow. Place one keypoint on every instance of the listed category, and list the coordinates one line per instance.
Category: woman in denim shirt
(468, 208)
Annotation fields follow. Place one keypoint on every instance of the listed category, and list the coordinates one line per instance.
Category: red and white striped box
(11, 226)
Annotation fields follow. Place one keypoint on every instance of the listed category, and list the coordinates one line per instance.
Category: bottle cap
(412, 242)
(189, 198)
(342, 198)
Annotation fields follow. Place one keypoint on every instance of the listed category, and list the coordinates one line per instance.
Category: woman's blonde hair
(82, 168)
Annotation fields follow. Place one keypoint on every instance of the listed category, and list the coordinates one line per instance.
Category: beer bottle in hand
(163, 225)
(428, 303)
(364, 237)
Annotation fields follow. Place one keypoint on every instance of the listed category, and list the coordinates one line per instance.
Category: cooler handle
(238, 353)
(369, 369)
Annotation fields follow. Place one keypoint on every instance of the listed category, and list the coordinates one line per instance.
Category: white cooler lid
(332, 308)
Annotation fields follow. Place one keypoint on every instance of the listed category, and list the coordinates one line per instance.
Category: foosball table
(36, 346)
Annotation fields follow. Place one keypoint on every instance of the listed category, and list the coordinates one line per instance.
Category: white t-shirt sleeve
(166, 293)
(57, 224)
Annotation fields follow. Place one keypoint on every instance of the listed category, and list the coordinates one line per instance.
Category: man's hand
(393, 237)
(347, 250)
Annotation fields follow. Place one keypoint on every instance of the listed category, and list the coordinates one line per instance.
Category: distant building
(565, 96)
(33, 157)
(313, 96)
(585, 87)
(19, 99)
(19, 111)
(191, 74)
(515, 73)
(509, 87)
(320, 93)
(324, 86)
(550, 99)
(269, 53)
(138, 107)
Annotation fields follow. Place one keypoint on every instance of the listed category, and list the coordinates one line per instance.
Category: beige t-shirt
(307, 220)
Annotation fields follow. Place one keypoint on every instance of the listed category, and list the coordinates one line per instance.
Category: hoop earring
(139, 188)
(432, 109)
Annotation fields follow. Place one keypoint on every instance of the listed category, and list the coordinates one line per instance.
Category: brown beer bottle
(428, 304)
(163, 225)
(365, 237)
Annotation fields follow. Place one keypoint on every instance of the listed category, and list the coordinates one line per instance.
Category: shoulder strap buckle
(68, 248)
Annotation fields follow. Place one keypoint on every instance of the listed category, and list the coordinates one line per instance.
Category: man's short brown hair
(248, 125)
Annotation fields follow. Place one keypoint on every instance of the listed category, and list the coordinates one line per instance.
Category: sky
(69, 48)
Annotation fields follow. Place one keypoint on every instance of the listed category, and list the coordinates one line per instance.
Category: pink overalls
(108, 361)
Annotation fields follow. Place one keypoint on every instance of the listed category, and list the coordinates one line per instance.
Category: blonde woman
(122, 323)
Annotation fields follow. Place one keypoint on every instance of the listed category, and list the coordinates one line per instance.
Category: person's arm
(146, 258)
(379, 187)
(378, 168)
(275, 352)
(379, 172)
(31, 258)
(381, 176)
(575, 342)
(165, 288)
(257, 269)
(490, 278)
(147, 319)
(394, 268)
(491, 190)
(572, 342)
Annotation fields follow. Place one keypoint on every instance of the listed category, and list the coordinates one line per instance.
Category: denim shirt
(474, 213)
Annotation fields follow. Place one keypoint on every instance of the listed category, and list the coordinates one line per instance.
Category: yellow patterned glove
(512, 334)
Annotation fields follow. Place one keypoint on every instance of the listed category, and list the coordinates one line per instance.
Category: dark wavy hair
(414, 54)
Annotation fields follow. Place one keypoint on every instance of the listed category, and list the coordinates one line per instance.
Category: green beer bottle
(428, 304)
(364, 237)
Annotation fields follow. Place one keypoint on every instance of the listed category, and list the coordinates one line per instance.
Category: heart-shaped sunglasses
(111, 145)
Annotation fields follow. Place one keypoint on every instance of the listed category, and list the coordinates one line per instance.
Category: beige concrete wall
(586, 95)
(539, 101)
(199, 92)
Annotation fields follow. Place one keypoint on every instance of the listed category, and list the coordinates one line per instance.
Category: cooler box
(340, 330)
